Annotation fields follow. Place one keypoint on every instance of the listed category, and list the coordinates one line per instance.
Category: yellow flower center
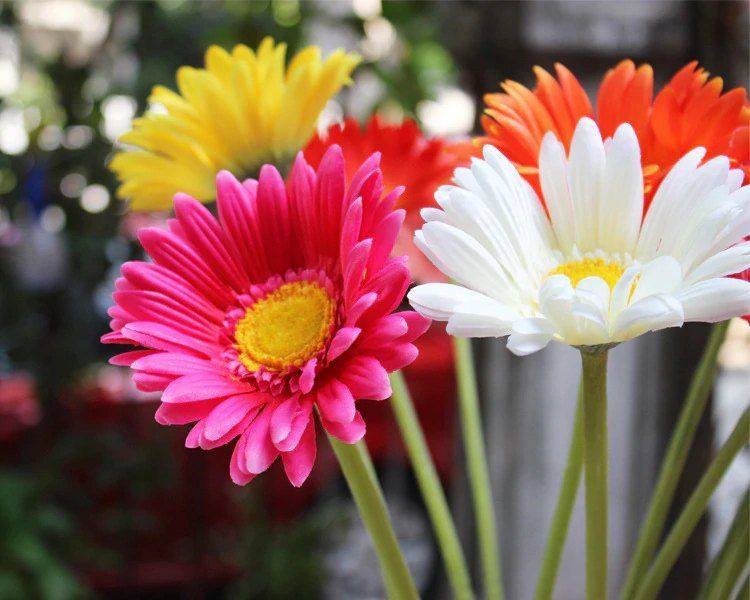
(286, 328)
(590, 267)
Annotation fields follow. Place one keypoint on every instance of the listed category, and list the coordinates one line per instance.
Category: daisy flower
(420, 164)
(593, 272)
(243, 110)
(690, 111)
(282, 306)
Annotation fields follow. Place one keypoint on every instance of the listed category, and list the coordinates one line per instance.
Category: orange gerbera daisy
(690, 111)
(408, 158)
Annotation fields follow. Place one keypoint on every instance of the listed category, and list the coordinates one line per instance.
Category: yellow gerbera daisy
(242, 110)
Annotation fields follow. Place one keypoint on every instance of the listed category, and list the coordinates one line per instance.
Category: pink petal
(301, 191)
(181, 414)
(236, 464)
(238, 214)
(150, 276)
(205, 235)
(384, 331)
(366, 378)
(126, 359)
(115, 337)
(354, 270)
(342, 341)
(364, 172)
(173, 253)
(417, 324)
(229, 413)
(288, 423)
(145, 305)
(359, 307)
(299, 462)
(151, 382)
(259, 449)
(398, 356)
(384, 239)
(202, 386)
(307, 378)
(336, 402)
(173, 363)
(232, 433)
(162, 337)
(273, 215)
(390, 283)
(194, 435)
(350, 229)
(329, 200)
(349, 433)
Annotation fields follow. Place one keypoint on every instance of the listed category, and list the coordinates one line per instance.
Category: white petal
(714, 300)
(520, 250)
(481, 318)
(650, 314)
(553, 176)
(586, 165)
(579, 316)
(732, 260)
(439, 300)
(556, 300)
(678, 209)
(432, 214)
(530, 335)
(591, 307)
(623, 290)
(671, 187)
(465, 260)
(621, 207)
(735, 179)
(663, 275)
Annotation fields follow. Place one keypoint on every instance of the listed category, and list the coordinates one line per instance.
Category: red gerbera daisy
(420, 164)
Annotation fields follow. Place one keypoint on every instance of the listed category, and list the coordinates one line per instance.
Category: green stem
(479, 476)
(694, 509)
(595, 467)
(726, 569)
(356, 466)
(674, 460)
(558, 531)
(744, 591)
(432, 491)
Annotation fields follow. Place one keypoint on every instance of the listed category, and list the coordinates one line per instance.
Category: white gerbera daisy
(593, 272)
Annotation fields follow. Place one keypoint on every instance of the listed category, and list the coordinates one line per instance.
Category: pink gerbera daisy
(281, 306)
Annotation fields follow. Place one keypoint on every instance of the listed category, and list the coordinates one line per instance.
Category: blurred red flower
(19, 404)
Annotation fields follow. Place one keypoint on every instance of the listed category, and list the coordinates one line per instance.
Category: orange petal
(636, 101)
(610, 98)
(551, 95)
(698, 105)
(533, 111)
(664, 116)
(723, 119)
(575, 96)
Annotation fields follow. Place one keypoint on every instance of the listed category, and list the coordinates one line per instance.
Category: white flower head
(592, 271)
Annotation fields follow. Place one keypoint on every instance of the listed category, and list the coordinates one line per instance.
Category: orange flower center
(286, 328)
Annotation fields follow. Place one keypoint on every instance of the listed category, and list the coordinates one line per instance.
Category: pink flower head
(283, 304)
